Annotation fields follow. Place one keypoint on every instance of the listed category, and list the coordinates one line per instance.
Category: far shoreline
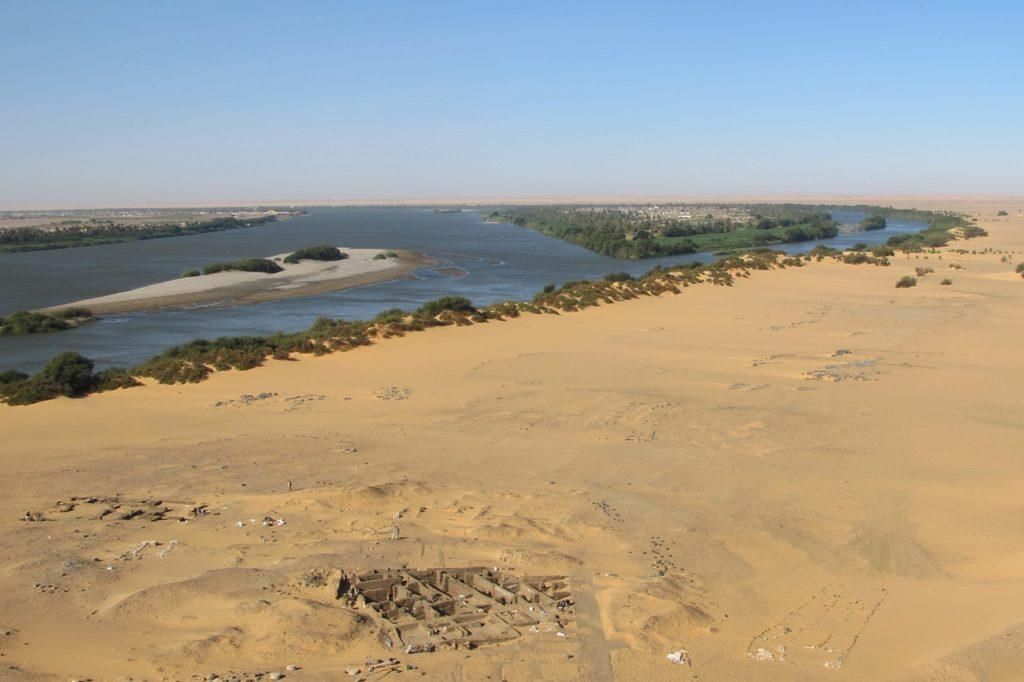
(237, 289)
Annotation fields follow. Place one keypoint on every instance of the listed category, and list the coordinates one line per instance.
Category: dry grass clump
(905, 282)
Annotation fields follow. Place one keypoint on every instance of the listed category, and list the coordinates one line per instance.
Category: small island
(647, 231)
(305, 272)
(23, 322)
(873, 222)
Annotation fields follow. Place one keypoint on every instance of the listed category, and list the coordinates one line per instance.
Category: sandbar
(222, 289)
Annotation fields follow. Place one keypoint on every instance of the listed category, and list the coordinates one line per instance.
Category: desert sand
(810, 475)
(222, 289)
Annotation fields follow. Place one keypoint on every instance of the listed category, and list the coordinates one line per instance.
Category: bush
(618, 277)
(385, 254)
(71, 372)
(190, 273)
(11, 376)
(111, 379)
(439, 305)
(946, 282)
(921, 272)
(1020, 268)
(247, 265)
(322, 252)
(391, 316)
(1002, 213)
(24, 322)
(34, 390)
(906, 281)
(873, 222)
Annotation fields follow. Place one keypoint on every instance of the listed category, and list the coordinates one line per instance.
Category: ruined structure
(459, 607)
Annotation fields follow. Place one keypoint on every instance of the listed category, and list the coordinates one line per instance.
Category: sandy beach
(810, 475)
(306, 278)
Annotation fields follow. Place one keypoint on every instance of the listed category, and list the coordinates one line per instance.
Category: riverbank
(809, 455)
(224, 289)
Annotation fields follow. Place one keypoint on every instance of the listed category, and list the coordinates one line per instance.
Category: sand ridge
(809, 475)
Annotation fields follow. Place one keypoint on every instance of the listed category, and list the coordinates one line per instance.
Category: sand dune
(810, 475)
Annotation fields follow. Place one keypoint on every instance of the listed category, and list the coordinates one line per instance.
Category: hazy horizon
(114, 104)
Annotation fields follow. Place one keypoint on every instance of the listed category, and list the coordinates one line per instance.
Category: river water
(493, 262)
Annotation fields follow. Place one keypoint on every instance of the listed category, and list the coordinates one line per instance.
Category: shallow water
(486, 262)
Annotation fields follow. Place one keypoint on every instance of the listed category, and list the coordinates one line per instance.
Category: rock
(680, 657)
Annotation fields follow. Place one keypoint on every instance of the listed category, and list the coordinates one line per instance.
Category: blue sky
(129, 103)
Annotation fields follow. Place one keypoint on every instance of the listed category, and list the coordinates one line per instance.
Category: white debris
(762, 655)
(239, 524)
(681, 657)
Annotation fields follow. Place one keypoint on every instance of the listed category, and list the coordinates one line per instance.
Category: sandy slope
(304, 278)
(691, 461)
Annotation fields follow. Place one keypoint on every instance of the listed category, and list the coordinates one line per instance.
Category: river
(486, 262)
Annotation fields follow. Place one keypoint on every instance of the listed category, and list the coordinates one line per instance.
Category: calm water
(500, 262)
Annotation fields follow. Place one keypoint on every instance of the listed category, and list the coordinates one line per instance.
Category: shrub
(34, 390)
(247, 265)
(190, 273)
(24, 322)
(71, 372)
(618, 277)
(439, 305)
(1020, 268)
(1002, 213)
(873, 222)
(72, 313)
(946, 282)
(906, 281)
(391, 316)
(11, 376)
(323, 252)
(385, 254)
(921, 272)
(111, 379)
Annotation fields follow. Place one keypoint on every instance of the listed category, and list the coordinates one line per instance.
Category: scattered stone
(680, 657)
(393, 393)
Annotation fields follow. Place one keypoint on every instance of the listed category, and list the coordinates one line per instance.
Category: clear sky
(188, 101)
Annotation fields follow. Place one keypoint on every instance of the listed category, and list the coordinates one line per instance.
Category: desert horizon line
(536, 199)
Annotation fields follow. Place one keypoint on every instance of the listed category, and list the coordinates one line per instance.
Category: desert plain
(809, 475)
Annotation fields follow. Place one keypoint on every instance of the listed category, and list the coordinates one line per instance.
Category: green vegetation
(439, 305)
(1020, 268)
(391, 316)
(385, 254)
(76, 235)
(190, 273)
(635, 233)
(247, 265)
(906, 281)
(22, 322)
(946, 282)
(1002, 214)
(68, 374)
(873, 222)
(921, 272)
(322, 252)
